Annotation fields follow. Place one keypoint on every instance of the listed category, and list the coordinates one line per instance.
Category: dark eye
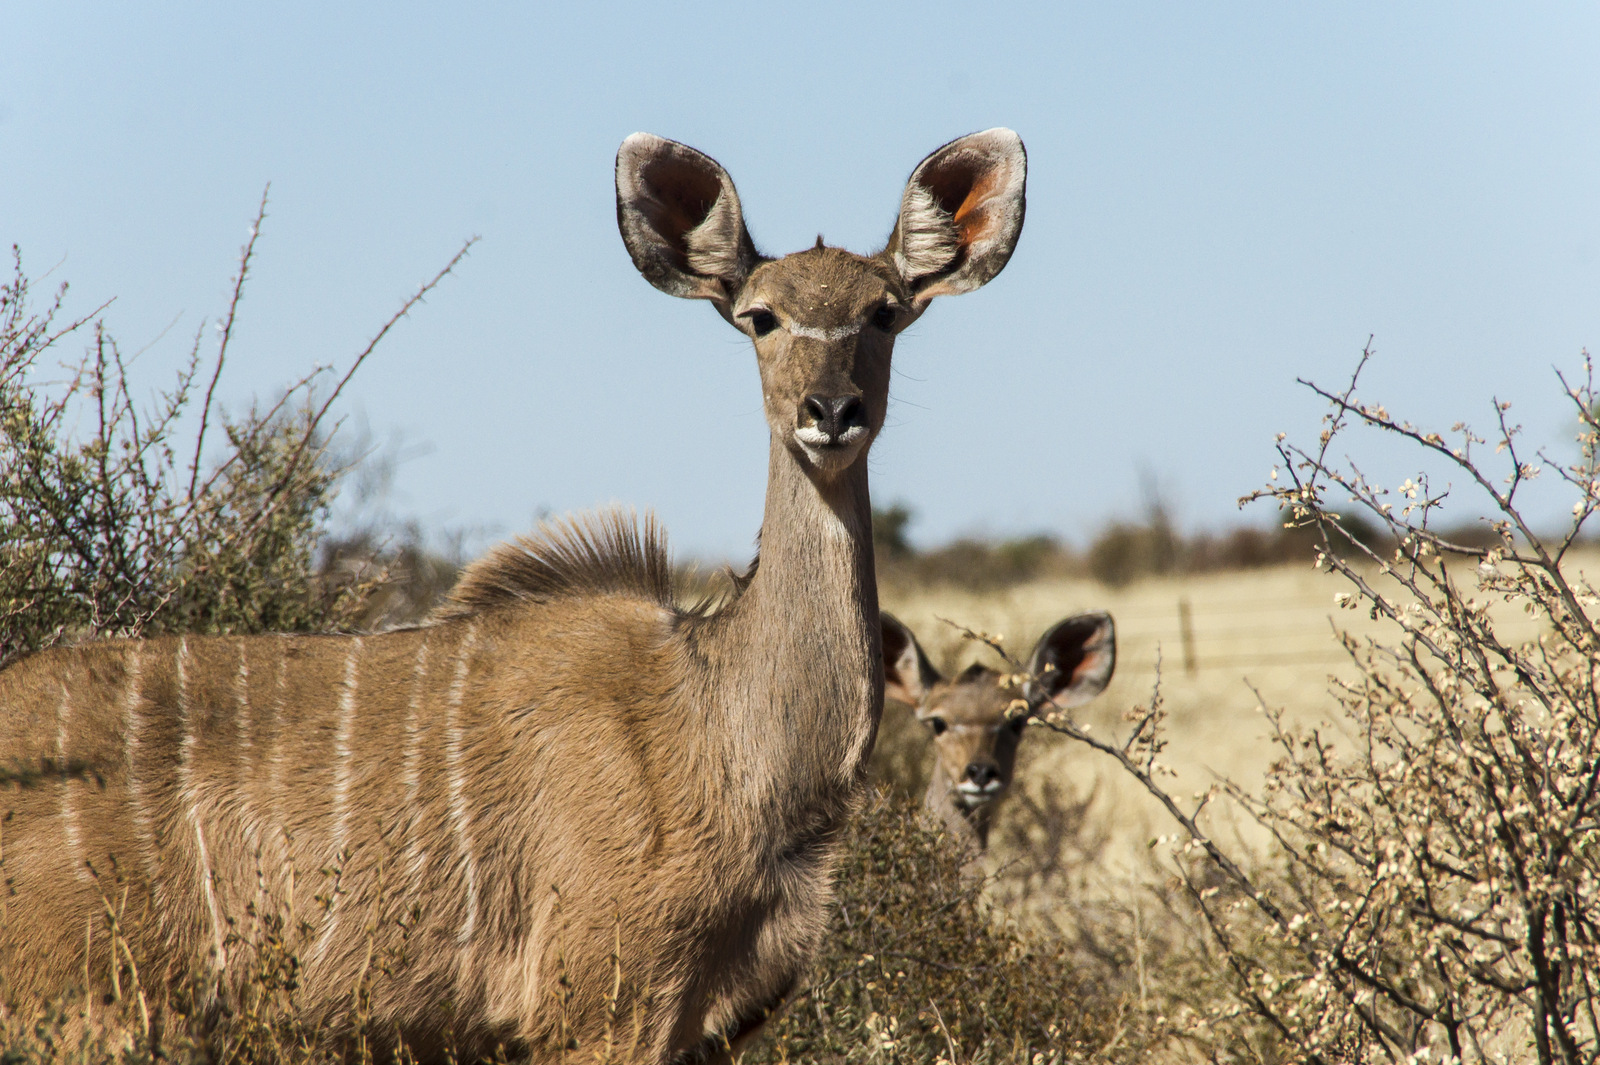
(763, 322)
(938, 725)
(1017, 724)
(883, 318)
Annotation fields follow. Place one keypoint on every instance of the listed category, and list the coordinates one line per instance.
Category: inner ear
(678, 198)
(908, 676)
(1074, 660)
(961, 214)
(681, 220)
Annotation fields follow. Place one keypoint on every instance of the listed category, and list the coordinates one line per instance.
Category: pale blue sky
(1221, 197)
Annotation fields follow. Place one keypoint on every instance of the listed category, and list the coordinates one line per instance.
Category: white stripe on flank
(241, 701)
(191, 800)
(413, 766)
(454, 734)
(244, 729)
(131, 741)
(275, 763)
(341, 747)
(341, 780)
(69, 814)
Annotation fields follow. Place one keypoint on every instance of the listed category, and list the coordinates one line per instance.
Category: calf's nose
(981, 774)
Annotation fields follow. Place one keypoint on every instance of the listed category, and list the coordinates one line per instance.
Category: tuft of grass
(250, 1016)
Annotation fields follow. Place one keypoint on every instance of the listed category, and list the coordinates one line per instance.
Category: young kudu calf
(974, 718)
(576, 813)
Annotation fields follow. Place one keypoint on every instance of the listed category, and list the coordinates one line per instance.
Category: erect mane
(609, 552)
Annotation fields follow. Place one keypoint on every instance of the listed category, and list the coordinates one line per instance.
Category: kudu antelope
(975, 720)
(603, 819)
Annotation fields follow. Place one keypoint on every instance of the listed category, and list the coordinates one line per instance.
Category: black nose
(981, 774)
(832, 415)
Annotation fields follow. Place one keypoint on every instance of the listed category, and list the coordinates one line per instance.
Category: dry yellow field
(1272, 628)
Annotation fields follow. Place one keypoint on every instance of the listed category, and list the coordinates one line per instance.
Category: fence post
(1186, 632)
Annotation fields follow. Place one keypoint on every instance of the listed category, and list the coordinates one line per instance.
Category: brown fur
(563, 809)
(976, 720)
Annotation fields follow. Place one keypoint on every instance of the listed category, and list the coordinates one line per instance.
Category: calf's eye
(883, 318)
(763, 322)
(938, 725)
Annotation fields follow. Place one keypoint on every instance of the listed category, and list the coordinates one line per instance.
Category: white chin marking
(830, 456)
(971, 796)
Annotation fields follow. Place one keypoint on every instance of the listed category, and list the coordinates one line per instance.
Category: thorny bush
(134, 528)
(1436, 892)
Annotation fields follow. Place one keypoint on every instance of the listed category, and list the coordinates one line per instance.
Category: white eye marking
(827, 336)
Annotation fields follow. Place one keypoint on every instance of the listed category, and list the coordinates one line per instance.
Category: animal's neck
(796, 664)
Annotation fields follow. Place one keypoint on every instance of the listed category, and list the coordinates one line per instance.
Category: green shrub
(964, 563)
(1120, 553)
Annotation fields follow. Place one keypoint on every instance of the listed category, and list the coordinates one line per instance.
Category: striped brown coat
(565, 808)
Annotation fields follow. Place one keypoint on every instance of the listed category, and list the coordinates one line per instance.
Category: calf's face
(977, 718)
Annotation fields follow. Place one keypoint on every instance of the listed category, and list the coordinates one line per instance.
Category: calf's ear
(1073, 661)
(908, 676)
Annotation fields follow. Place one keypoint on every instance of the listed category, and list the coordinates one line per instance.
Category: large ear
(680, 218)
(907, 673)
(961, 214)
(1072, 663)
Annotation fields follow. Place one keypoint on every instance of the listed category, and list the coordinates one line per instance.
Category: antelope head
(823, 321)
(978, 717)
